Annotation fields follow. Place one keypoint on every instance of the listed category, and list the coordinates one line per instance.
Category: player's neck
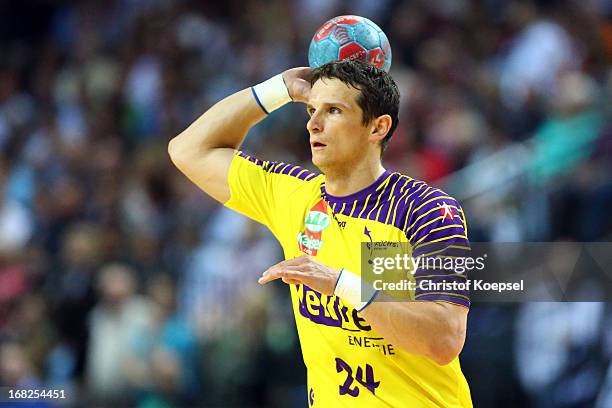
(342, 183)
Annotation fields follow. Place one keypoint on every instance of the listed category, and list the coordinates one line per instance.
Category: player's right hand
(297, 81)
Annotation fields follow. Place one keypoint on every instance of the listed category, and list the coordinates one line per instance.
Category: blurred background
(123, 284)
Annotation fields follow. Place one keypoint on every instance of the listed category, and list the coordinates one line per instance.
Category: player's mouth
(317, 145)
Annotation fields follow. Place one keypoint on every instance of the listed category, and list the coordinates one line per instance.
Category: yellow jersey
(348, 363)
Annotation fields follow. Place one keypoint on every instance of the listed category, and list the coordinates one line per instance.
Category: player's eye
(334, 109)
(310, 111)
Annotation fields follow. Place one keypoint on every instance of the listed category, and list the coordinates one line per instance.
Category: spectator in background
(70, 286)
(163, 363)
(16, 226)
(539, 53)
(114, 322)
(16, 370)
(559, 356)
(561, 146)
(567, 137)
(32, 326)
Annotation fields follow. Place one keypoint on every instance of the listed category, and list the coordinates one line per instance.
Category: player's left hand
(305, 270)
(297, 81)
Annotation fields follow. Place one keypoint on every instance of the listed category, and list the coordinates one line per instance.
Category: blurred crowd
(123, 284)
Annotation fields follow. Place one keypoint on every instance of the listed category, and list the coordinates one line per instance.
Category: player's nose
(315, 123)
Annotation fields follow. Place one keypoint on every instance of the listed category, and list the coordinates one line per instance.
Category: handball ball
(353, 37)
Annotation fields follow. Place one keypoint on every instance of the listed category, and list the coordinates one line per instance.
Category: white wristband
(353, 290)
(271, 94)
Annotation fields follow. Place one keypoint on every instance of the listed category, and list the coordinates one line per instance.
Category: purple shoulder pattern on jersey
(275, 167)
(376, 202)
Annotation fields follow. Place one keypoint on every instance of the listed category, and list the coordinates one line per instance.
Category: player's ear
(380, 127)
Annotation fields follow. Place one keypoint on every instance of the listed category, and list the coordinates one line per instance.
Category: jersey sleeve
(262, 190)
(437, 232)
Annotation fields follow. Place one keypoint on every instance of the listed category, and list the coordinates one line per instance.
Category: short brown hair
(379, 92)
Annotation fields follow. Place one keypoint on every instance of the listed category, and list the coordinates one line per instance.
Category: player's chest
(334, 238)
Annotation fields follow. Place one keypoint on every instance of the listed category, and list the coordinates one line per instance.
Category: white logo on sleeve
(446, 211)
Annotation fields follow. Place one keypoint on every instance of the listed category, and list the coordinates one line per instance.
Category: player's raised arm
(204, 151)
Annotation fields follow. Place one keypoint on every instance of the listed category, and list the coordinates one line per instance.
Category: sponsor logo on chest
(316, 221)
(310, 240)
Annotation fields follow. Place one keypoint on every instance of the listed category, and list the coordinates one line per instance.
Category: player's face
(338, 137)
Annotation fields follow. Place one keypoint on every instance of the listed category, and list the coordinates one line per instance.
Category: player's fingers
(265, 279)
(281, 273)
(270, 274)
(300, 73)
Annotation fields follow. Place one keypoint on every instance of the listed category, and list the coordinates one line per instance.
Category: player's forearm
(434, 330)
(430, 329)
(225, 125)
(205, 150)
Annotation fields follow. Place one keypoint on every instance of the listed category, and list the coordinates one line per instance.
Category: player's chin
(320, 159)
